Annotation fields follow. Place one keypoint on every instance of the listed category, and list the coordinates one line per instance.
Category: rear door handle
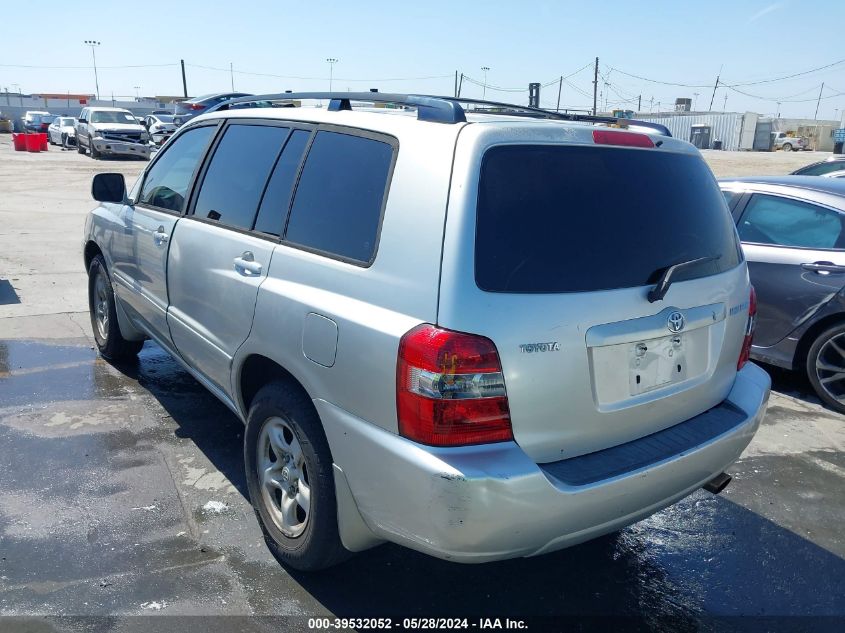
(246, 265)
(160, 237)
(824, 268)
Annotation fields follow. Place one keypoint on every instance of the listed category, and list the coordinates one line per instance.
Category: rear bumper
(121, 148)
(482, 503)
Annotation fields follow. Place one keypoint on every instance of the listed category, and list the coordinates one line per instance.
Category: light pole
(484, 69)
(331, 61)
(93, 44)
(694, 100)
(137, 93)
(777, 116)
(20, 95)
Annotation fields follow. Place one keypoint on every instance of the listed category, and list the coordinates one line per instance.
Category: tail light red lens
(745, 353)
(620, 137)
(450, 389)
(197, 106)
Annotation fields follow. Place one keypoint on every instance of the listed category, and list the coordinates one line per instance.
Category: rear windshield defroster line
(554, 219)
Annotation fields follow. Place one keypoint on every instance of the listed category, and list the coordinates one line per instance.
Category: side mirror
(108, 188)
(82, 120)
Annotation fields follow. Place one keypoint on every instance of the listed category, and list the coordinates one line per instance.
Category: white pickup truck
(111, 131)
(790, 143)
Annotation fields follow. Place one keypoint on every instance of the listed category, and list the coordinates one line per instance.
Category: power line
(275, 76)
(84, 67)
(805, 72)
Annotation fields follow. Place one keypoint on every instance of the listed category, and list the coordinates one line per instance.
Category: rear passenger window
(168, 179)
(274, 205)
(338, 202)
(785, 222)
(235, 179)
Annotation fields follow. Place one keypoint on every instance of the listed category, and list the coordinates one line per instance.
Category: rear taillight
(620, 137)
(745, 353)
(197, 106)
(450, 390)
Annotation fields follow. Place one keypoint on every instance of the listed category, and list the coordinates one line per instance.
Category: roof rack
(436, 109)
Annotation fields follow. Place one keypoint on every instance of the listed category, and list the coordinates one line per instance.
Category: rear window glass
(584, 218)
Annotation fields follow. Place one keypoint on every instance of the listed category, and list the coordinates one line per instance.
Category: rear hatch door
(552, 245)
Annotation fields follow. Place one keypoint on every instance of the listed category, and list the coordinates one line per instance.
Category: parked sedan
(834, 163)
(62, 131)
(160, 127)
(793, 234)
(186, 110)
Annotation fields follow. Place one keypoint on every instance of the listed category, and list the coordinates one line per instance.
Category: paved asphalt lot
(122, 492)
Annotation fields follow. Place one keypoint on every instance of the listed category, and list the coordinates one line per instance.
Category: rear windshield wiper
(659, 291)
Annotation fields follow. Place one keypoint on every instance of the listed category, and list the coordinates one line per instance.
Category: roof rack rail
(435, 108)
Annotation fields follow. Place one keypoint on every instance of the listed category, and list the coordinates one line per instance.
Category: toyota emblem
(675, 323)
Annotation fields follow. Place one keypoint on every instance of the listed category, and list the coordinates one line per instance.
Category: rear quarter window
(338, 203)
(554, 218)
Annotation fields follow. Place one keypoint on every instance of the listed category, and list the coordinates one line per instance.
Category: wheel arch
(255, 371)
(90, 251)
(807, 338)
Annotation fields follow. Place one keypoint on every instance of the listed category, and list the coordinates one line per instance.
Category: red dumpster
(44, 144)
(33, 142)
(19, 141)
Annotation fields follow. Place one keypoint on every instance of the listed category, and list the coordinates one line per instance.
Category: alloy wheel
(283, 477)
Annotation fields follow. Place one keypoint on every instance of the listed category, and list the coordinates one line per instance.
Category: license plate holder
(656, 363)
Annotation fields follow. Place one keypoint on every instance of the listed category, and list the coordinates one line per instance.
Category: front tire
(290, 478)
(79, 147)
(101, 305)
(826, 367)
(94, 153)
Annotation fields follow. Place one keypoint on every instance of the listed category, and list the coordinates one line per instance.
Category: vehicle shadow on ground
(704, 555)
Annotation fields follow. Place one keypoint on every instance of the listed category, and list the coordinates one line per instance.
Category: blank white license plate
(656, 362)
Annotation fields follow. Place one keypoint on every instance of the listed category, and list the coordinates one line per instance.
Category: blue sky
(423, 43)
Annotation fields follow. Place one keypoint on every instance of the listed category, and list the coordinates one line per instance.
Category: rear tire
(286, 454)
(787, 147)
(825, 358)
(101, 305)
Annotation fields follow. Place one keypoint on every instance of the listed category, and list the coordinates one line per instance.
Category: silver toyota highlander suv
(481, 334)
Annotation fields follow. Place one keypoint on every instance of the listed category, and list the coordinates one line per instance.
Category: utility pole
(694, 100)
(725, 103)
(137, 93)
(777, 116)
(184, 81)
(484, 69)
(595, 84)
(460, 84)
(232, 76)
(331, 61)
(714, 89)
(639, 103)
(818, 101)
(456, 83)
(93, 44)
(559, 90)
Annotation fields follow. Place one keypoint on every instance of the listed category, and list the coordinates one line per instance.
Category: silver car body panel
(335, 327)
